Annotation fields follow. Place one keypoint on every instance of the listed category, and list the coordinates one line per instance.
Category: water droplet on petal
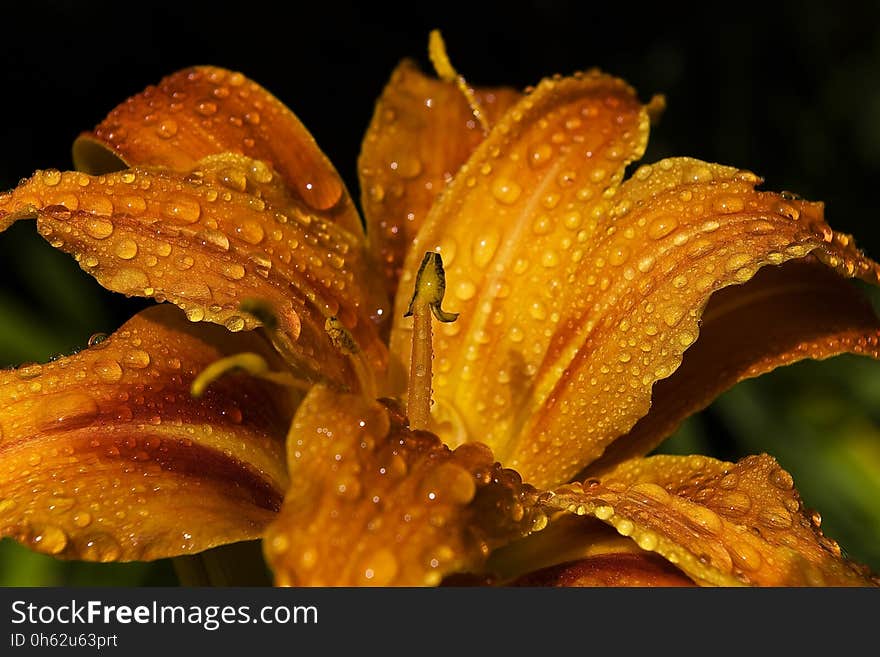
(234, 324)
(136, 358)
(662, 226)
(167, 128)
(781, 479)
(51, 177)
(109, 371)
(82, 519)
(251, 232)
(185, 210)
(49, 539)
(126, 249)
(506, 191)
(483, 249)
(101, 547)
(233, 271)
(214, 238)
(451, 483)
(98, 228)
(29, 371)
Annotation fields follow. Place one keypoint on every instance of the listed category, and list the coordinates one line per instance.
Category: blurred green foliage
(791, 92)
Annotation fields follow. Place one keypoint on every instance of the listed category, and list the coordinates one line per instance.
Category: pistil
(426, 301)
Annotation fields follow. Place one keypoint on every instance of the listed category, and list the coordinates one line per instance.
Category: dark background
(788, 90)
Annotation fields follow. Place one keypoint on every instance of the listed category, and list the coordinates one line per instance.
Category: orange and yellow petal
(784, 314)
(508, 228)
(373, 503)
(211, 238)
(422, 131)
(104, 456)
(578, 292)
(719, 523)
(206, 110)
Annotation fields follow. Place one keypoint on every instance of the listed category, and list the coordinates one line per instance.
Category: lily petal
(514, 229)
(720, 523)
(373, 503)
(209, 239)
(104, 455)
(784, 314)
(577, 293)
(422, 131)
(206, 110)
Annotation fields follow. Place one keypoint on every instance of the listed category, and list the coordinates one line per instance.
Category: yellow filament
(426, 300)
(446, 72)
(249, 362)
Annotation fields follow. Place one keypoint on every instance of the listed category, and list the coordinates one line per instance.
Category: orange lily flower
(284, 393)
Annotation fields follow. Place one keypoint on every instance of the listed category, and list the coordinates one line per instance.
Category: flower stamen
(345, 343)
(428, 295)
(249, 362)
(446, 72)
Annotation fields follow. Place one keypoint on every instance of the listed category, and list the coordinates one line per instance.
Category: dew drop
(98, 228)
(206, 108)
(744, 556)
(781, 479)
(49, 539)
(662, 226)
(167, 128)
(108, 371)
(618, 255)
(130, 280)
(728, 204)
(506, 191)
(483, 249)
(542, 225)
(126, 249)
(775, 517)
(51, 177)
(735, 502)
(234, 323)
(133, 204)
(96, 339)
(540, 155)
(101, 547)
(82, 519)
(449, 482)
(214, 238)
(703, 517)
(465, 290)
(233, 271)
(251, 232)
(136, 358)
(185, 210)
(672, 314)
(29, 371)
(549, 258)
